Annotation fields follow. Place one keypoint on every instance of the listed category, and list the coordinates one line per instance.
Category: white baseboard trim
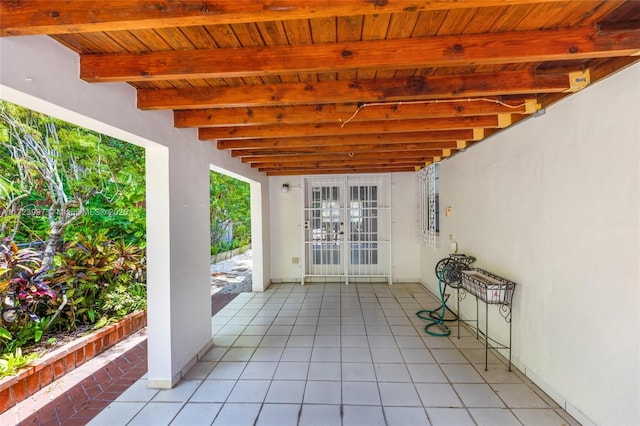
(558, 398)
(543, 385)
(163, 383)
(170, 383)
(285, 281)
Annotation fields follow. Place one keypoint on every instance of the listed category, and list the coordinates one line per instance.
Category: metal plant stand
(492, 290)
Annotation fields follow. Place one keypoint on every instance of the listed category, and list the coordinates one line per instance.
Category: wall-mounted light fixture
(285, 187)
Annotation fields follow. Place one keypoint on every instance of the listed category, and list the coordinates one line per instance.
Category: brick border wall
(57, 363)
(229, 254)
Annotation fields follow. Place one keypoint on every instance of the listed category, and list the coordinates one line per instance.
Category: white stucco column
(260, 281)
(179, 307)
(41, 74)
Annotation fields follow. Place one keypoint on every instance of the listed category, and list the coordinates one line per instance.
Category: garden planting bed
(61, 361)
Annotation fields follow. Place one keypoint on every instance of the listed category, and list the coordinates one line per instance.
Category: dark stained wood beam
(390, 138)
(31, 17)
(301, 158)
(617, 27)
(329, 92)
(423, 52)
(353, 128)
(610, 66)
(331, 113)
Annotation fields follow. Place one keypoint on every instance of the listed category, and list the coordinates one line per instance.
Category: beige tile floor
(331, 354)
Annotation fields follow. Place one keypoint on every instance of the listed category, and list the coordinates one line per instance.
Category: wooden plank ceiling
(349, 86)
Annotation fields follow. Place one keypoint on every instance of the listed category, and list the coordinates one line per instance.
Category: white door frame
(348, 236)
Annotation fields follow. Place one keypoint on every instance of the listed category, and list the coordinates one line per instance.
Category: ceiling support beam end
(478, 134)
(504, 120)
(578, 80)
(531, 106)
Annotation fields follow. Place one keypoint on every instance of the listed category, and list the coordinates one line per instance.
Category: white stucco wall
(554, 205)
(40, 74)
(286, 228)
(286, 231)
(405, 250)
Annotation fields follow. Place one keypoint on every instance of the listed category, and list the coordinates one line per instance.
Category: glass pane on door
(368, 239)
(363, 225)
(324, 227)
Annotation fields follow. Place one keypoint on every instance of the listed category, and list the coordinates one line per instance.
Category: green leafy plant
(5, 336)
(31, 331)
(15, 261)
(10, 363)
(23, 292)
(121, 300)
(91, 266)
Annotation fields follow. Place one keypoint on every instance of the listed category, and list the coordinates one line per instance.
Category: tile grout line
(405, 362)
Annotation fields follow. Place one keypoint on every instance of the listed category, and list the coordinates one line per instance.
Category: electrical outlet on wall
(295, 260)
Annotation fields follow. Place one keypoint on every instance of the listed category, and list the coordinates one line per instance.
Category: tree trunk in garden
(12, 210)
(35, 148)
(57, 224)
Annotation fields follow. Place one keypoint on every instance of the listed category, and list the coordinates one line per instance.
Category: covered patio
(538, 150)
(330, 354)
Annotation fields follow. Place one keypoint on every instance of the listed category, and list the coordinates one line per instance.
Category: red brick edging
(57, 363)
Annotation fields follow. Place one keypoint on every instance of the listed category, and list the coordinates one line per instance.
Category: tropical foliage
(230, 211)
(72, 229)
(60, 180)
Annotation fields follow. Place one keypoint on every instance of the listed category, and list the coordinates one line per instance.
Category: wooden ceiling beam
(336, 170)
(455, 86)
(420, 52)
(330, 113)
(34, 17)
(353, 128)
(597, 73)
(295, 158)
(389, 138)
(346, 149)
(339, 163)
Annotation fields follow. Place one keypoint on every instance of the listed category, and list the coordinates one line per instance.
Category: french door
(347, 229)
